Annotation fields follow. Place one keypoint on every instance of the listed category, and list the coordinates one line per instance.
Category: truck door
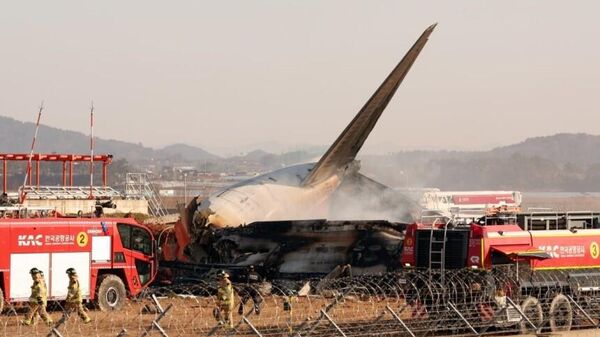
(138, 244)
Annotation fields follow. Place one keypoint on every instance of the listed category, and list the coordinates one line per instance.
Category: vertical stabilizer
(344, 149)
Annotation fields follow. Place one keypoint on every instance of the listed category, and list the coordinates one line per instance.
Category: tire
(561, 314)
(111, 293)
(532, 308)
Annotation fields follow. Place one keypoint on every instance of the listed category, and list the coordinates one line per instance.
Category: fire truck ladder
(437, 251)
(139, 186)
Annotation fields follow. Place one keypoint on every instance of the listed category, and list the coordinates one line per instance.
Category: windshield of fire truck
(135, 238)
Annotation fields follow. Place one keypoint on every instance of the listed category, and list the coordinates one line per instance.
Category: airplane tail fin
(344, 149)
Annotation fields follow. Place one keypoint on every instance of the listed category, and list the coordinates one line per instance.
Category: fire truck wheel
(111, 293)
(561, 314)
(532, 308)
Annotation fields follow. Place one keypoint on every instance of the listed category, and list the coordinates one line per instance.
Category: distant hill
(562, 162)
(579, 148)
(15, 136)
(255, 155)
(190, 152)
(262, 161)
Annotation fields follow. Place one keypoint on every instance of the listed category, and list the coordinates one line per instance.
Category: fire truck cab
(114, 257)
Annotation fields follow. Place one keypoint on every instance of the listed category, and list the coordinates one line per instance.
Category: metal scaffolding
(139, 186)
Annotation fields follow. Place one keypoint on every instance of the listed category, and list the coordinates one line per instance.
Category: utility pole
(185, 189)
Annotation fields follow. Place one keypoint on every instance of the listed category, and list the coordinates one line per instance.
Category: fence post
(54, 330)
(327, 308)
(155, 324)
(397, 318)
(463, 318)
(521, 312)
(333, 322)
(251, 326)
(157, 303)
(581, 309)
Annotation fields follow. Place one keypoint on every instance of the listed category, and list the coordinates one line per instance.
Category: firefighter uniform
(74, 300)
(225, 300)
(287, 306)
(250, 290)
(38, 299)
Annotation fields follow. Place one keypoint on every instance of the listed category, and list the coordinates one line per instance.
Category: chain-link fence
(407, 303)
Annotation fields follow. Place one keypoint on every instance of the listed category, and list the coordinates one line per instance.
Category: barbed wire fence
(406, 303)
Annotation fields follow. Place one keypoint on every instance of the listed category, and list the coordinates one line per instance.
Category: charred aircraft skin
(299, 248)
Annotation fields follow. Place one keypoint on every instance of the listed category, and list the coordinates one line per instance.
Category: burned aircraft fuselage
(306, 247)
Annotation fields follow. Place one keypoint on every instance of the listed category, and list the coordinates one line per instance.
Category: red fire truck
(114, 257)
(553, 256)
(545, 241)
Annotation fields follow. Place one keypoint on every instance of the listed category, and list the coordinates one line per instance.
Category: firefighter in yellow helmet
(38, 299)
(225, 300)
(74, 300)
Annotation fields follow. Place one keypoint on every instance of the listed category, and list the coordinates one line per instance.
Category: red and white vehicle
(114, 257)
(543, 241)
(468, 205)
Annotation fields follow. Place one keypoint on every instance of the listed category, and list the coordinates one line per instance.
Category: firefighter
(253, 280)
(500, 299)
(287, 306)
(38, 299)
(4, 200)
(225, 300)
(74, 300)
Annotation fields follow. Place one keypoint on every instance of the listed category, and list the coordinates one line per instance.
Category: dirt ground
(194, 317)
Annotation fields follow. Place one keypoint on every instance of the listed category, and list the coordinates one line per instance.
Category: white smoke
(363, 199)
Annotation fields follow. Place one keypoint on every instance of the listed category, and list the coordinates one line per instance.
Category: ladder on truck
(437, 251)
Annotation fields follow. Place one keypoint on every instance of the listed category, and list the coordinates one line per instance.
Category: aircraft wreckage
(308, 247)
(248, 222)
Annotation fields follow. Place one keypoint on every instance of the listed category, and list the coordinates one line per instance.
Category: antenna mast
(22, 194)
(91, 151)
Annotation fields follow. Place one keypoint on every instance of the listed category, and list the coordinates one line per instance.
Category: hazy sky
(228, 75)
